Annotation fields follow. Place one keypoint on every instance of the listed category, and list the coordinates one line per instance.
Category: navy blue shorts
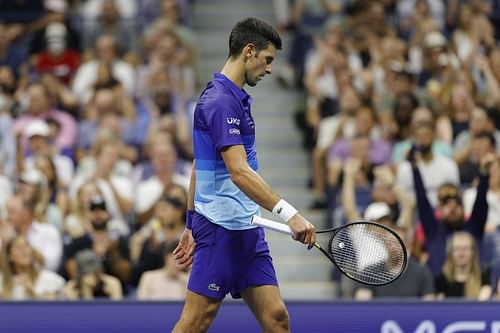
(228, 261)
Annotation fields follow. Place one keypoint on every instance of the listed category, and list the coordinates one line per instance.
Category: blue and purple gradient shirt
(222, 118)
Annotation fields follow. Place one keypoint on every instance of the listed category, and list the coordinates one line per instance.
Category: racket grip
(272, 225)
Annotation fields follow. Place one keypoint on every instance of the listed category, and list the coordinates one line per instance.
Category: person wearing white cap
(38, 134)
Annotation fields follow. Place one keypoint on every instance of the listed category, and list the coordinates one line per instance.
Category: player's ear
(249, 50)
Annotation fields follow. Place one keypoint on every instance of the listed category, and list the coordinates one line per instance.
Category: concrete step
(282, 158)
(320, 291)
(302, 268)
(281, 140)
(289, 177)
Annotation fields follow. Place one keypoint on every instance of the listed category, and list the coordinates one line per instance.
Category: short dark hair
(488, 136)
(255, 31)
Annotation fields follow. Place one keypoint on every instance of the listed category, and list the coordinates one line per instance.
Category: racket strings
(368, 253)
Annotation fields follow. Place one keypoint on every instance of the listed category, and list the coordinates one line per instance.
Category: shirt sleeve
(224, 119)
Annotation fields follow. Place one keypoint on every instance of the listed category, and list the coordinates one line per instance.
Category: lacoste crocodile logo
(213, 287)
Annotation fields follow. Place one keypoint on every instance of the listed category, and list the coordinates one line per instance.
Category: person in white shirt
(117, 190)
(163, 160)
(21, 277)
(86, 77)
(43, 237)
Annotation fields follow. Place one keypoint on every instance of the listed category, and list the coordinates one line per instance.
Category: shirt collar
(241, 94)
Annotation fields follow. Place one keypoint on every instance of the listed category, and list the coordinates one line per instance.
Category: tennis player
(232, 255)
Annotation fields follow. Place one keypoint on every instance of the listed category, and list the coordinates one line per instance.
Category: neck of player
(234, 70)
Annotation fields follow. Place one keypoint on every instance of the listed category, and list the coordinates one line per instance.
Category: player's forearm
(255, 187)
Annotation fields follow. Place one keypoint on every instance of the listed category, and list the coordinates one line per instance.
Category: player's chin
(252, 83)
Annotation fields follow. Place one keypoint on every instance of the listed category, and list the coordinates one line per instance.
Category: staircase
(302, 274)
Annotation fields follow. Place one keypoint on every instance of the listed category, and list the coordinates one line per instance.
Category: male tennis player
(231, 254)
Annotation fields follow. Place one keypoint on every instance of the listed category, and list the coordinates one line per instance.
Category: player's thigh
(266, 303)
(199, 309)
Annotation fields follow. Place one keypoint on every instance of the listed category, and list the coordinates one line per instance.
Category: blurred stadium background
(96, 99)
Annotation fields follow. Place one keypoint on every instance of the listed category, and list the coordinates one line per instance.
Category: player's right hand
(303, 230)
(183, 253)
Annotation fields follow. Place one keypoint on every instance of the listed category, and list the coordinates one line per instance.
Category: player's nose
(269, 69)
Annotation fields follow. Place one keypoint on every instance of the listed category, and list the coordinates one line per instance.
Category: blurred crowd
(96, 102)
(401, 118)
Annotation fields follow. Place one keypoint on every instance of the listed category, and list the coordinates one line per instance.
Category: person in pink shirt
(40, 107)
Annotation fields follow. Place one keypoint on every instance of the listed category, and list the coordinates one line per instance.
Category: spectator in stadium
(88, 73)
(43, 237)
(40, 106)
(38, 134)
(22, 276)
(415, 281)
(450, 217)
(58, 59)
(91, 283)
(58, 200)
(170, 112)
(308, 19)
(164, 228)
(109, 114)
(366, 125)
(436, 169)
(110, 22)
(390, 205)
(483, 143)
(105, 242)
(7, 136)
(167, 283)
(493, 198)
(164, 176)
(460, 110)
(439, 146)
(461, 275)
(170, 57)
(400, 117)
(329, 130)
(77, 223)
(116, 187)
(62, 97)
(321, 70)
(11, 56)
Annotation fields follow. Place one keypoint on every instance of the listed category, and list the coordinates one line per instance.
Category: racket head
(367, 252)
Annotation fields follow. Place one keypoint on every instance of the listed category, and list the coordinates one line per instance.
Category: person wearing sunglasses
(449, 217)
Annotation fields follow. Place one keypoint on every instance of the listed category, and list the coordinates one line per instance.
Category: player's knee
(196, 321)
(208, 317)
(278, 320)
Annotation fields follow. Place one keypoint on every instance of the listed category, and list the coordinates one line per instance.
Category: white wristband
(284, 210)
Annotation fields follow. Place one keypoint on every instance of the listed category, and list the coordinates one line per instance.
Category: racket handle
(272, 225)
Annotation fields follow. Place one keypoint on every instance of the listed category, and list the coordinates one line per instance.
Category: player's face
(259, 64)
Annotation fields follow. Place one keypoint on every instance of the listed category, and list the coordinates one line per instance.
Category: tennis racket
(366, 252)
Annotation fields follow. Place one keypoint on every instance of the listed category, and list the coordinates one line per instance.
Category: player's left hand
(183, 253)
